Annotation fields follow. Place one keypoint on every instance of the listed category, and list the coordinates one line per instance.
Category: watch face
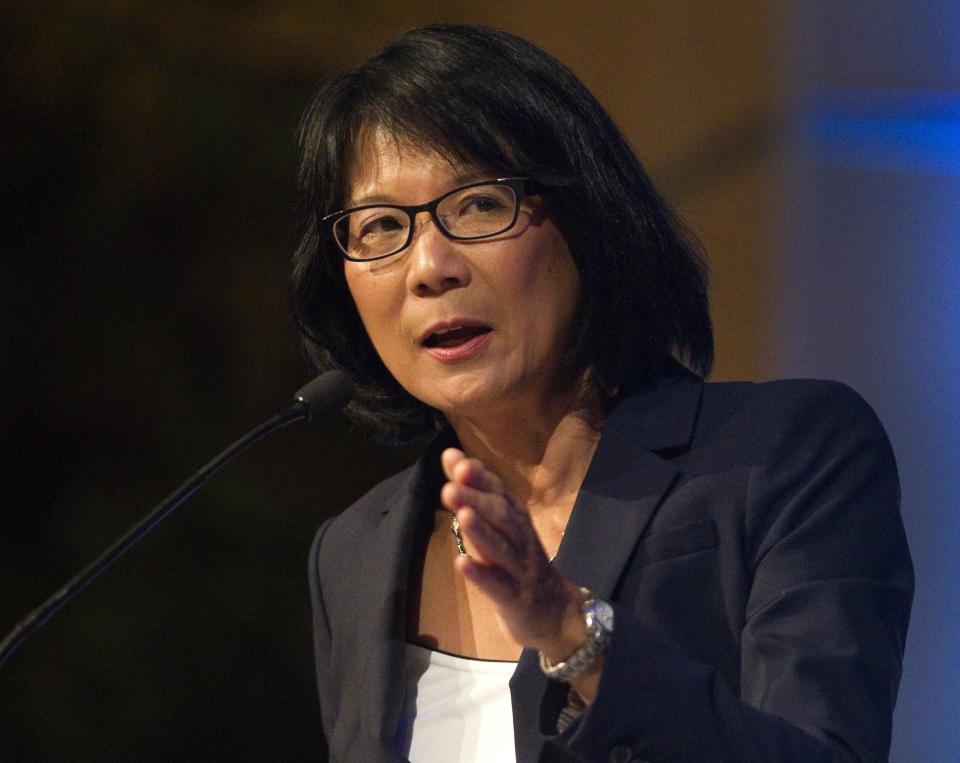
(605, 615)
(602, 614)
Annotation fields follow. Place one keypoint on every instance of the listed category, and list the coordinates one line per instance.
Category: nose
(437, 263)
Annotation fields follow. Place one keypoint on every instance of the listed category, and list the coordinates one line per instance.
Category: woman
(661, 568)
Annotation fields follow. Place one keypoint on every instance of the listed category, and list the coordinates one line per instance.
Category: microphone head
(326, 394)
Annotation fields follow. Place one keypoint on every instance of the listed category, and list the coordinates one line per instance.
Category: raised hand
(535, 604)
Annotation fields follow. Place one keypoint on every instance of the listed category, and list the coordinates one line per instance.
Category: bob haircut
(487, 99)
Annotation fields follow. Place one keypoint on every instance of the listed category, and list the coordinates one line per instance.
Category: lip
(468, 349)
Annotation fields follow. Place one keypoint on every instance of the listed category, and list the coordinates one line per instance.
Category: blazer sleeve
(828, 600)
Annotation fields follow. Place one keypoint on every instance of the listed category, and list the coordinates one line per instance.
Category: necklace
(455, 529)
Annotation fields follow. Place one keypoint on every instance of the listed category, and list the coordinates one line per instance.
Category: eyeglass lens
(474, 212)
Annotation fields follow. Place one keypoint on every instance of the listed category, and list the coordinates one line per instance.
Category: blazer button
(621, 754)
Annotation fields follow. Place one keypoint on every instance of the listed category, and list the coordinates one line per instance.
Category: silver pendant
(455, 529)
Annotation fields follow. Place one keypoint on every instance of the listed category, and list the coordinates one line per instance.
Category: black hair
(488, 99)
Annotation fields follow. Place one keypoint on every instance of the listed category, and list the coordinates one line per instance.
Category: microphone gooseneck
(326, 394)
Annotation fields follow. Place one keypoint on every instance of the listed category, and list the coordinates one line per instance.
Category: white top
(455, 709)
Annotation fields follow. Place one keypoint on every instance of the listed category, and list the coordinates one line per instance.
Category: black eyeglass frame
(521, 187)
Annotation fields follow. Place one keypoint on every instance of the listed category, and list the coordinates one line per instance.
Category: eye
(483, 203)
(378, 223)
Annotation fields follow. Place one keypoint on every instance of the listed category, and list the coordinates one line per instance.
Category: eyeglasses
(477, 210)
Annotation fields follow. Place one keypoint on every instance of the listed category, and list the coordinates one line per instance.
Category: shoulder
(785, 397)
(773, 419)
(340, 537)
(817, 470)
(784, 450)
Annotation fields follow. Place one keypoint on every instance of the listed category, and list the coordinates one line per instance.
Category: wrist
(571, 632)
(590, 637)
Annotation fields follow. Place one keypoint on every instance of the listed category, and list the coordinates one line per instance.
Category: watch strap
(598, 639)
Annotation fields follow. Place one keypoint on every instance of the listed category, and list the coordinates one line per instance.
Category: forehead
(381, 157)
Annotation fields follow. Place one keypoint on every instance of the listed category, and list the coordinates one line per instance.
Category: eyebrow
(463, 177)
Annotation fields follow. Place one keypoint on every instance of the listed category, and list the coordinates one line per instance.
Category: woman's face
(468, 327)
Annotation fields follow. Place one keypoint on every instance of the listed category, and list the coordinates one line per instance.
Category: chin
(472, 395)
(453, 393)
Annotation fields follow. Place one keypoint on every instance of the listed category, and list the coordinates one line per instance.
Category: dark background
(148, 195)
(147, 168)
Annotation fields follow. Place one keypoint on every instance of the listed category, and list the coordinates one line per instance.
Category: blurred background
(147, 154)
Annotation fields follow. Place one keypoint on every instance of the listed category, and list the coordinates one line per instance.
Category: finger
(449, 459)
(472, 472)
(494, 508)
(491, 547)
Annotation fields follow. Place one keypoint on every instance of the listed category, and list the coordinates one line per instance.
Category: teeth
(454, 335)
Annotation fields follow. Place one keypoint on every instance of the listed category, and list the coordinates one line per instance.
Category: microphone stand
(332, 391)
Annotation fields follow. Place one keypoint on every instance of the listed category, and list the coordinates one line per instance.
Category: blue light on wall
(912, 132)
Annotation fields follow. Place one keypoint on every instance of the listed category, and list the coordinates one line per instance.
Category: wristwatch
(598, 617)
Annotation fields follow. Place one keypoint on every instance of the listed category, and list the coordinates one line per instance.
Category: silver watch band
(598, 618)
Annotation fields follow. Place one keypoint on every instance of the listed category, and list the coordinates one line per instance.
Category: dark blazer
(750, 539)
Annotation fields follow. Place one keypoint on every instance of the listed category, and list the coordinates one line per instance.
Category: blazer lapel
(628, 479)
(385, 573)
(385, 562)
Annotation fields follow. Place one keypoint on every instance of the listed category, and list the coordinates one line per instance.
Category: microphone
(325, 395)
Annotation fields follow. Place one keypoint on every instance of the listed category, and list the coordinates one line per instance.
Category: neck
(542, 453)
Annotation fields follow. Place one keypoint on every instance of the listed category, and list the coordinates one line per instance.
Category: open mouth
(454, 336)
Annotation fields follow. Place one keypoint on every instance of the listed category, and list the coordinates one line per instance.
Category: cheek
(555, 292)
(378, 298)
(372, 303)
(567, 284)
